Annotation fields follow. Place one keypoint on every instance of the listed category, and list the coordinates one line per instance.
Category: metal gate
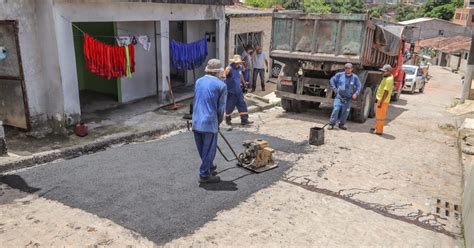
(244, 39)
(13, 103)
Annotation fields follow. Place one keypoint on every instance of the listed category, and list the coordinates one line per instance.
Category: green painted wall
(86, 79)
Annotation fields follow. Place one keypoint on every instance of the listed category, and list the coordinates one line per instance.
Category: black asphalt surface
(152, 188)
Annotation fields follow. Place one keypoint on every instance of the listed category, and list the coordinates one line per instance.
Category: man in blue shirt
(235, 97)
(347, 87)
(210, 95)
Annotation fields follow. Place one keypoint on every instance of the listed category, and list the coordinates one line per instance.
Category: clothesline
(129, 33)
(115, 36)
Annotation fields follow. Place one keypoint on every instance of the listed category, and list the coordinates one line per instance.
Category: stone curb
(100, 145)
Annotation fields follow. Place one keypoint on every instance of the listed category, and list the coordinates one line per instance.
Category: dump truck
(314, 47)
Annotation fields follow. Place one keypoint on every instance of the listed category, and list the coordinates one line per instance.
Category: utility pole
(468, 75)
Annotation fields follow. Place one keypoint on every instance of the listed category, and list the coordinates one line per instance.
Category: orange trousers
(380, 114)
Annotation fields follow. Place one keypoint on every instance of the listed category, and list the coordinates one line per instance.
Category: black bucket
(316, 136)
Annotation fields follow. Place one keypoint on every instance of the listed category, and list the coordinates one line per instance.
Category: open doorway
(177, 33)
(95, 92)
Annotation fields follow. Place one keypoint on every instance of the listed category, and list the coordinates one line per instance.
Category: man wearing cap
(384, 92)
(210, 94)
(347, 88)
(235, 97)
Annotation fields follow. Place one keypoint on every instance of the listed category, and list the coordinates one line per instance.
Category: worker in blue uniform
(346, 84)
(235, 97)
(210, 95)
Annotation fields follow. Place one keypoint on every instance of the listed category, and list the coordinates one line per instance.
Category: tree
(405, 12)
(348, 6)
(317, 6)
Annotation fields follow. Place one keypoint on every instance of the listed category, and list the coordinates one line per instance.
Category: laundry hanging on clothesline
(188, 56)
(107, 60)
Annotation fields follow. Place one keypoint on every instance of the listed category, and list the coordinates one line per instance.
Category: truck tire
(314, 105)
(299, 106)
(286, 105)
(361, 115)
(396, 96)
(374, 105)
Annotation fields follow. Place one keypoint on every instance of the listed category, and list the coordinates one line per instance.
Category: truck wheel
(276, 68)
(299, 106)
(396, 96)
(286, 105)
(361, 115)
(373, 106)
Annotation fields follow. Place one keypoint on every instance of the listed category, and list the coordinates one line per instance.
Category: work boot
(228, 120)
(246, 122)
(331, 127)
(342, 127)
(372, 130)
(209, 179)
(213, 170)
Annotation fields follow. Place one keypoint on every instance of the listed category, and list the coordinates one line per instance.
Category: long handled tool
(174, 106)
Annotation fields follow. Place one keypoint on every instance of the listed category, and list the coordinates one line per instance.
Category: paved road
(151, 188)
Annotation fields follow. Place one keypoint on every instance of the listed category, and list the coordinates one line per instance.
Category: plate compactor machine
(256, 157)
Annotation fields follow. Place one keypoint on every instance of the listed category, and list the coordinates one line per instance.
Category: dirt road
(358, 189)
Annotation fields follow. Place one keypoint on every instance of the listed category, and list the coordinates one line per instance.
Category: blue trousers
(260, 72)
(206, 144)
(247, 75)
(340, 111)
(236, 100)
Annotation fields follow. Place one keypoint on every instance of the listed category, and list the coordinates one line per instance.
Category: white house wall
(143, 81)
(111, 11)
(38, 88)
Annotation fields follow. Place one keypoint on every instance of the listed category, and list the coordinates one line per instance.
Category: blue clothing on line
(206, 144)
(210, 95)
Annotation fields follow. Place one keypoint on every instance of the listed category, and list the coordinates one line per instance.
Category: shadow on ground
(152, 188)
(321, 117)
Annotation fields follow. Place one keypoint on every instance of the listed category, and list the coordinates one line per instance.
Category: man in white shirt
(260, 64)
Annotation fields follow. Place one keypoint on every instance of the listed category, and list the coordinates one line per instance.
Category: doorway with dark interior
(95, 92)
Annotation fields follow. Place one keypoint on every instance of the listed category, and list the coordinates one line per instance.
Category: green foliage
(405, 12)
(317, 6)
(442, 9)
(258, 3)
(348, 6)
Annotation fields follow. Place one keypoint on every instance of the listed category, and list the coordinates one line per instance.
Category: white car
(414, 79)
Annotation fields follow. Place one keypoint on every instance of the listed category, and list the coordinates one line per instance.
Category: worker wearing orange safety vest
(384, 92)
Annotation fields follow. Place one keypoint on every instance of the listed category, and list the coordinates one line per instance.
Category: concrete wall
(430, 29)
(121, 12)
(248, 25)
(47, 47)
(143, 81)
(468, 206)
(35, 32)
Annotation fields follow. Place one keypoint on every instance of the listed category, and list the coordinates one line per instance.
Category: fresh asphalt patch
(152, 188)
